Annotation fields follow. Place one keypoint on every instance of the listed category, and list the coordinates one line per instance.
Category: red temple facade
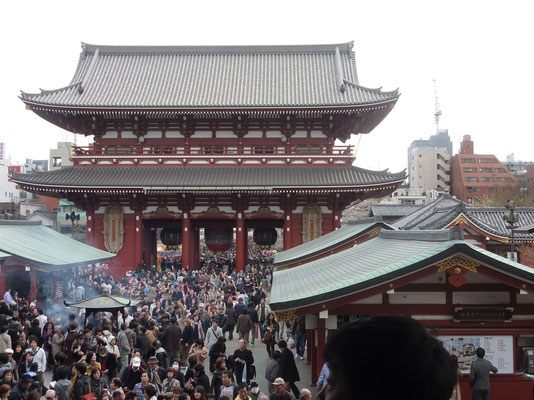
(217, 137)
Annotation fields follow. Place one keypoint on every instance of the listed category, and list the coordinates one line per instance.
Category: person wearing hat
(280, 392)
(132, 375)
(156, 374)
(108, 362)
(20, 392)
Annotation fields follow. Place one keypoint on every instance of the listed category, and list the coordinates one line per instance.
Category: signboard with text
(499, 350)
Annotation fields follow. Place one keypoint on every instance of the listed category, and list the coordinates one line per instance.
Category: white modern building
(61, 156)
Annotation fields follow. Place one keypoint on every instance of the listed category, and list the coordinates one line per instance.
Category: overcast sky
(480, 52)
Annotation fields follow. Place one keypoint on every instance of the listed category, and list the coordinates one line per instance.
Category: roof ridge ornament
(339, 73)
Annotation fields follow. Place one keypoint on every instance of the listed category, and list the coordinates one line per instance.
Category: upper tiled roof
(439, 208)
(39, 245)
(210, 178)
(394, 210)
(331, 240)
(392, 255)
(442, 212)
(213, 77)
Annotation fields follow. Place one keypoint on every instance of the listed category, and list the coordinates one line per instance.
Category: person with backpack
(82, 385)
(63, 386)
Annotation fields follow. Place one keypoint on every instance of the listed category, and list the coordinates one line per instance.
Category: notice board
(499, 350)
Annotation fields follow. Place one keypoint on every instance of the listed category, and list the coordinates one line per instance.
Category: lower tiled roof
(45, 247)
(380, 260)
(104, 301)
(214, 178)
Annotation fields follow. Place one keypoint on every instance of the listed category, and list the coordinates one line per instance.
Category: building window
(492, 190)
(500, 179)
(486, 170)
(468, 160)
(56, 161)
(470, 170)
(500, 170)
(472, 189)
(487, 179)
(471, 179)
(505, 189)
(486, 160)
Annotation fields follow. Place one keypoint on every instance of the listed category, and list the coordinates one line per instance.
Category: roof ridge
(345, 47)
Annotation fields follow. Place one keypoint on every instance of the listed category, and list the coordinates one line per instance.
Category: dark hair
(282, 344)
(34, 395)
(150, 390)
(117, 382)
(170, 369)
(192, 361)
(60, 358)
(242, 385)
(81, 368)
(62, 372)
(276, 355)
(89, 356)
(200, 389)
(199, 368)
(130, 396)
(392, 344)
(4, 389)
(228, 373)
(480, 352)
(95, 370)
(183, 396)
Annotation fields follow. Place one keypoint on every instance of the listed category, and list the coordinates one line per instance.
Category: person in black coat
(288, 369)
(108, 361)
(217, 350)
(242, 357)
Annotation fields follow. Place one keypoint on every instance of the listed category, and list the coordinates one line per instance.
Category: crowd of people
(170, 345)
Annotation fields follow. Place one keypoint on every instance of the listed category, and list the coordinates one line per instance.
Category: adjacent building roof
(332, 240)
(394, 210)
(52, 216)
(445, 210)
(209, 178)
(391, 255)
(42, 246)
(218, 77)
(104, 301)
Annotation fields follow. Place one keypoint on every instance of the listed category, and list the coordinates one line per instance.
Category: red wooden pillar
(33, 283)
(186, 242)
(287, 223)
(138, 238)
(309, 348)
(241, 256)
(2, 281)
(195, 243)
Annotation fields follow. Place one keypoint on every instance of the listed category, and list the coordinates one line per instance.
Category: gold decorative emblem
(458, 260)
(285, 315)
(373, 232)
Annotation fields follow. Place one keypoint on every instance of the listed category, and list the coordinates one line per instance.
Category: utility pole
(511, 217)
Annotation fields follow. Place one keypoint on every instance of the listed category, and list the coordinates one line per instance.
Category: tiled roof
(394, 210)
(104, 301)
(43, 246)
(438, 208)
(442, 212)
(202, 178)
(182, 77)
(331, 240)
(380, 260)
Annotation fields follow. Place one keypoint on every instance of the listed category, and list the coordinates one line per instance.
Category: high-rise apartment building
(474, 176)
(429, 162)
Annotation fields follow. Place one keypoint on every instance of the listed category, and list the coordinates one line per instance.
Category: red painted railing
(110, 151)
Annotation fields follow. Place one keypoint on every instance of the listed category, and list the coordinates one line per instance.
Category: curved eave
(457, 248)
(462, 218)
(61, 266)
(136, 189)
(333, 246)
(87, 110)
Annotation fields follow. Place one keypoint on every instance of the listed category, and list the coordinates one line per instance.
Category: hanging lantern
(171, 237)
(265, 237)
(219, 239)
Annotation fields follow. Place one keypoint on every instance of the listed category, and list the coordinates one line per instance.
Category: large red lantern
(219, 239)
(171, 237)
(265, 237)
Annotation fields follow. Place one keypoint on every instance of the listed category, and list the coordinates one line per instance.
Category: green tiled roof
(45, 247)
(3, 255)
(391, 255)
(336, 238)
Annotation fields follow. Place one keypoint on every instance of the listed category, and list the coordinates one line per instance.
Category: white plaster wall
(376, 299)
(417, 298)
(481, 297)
